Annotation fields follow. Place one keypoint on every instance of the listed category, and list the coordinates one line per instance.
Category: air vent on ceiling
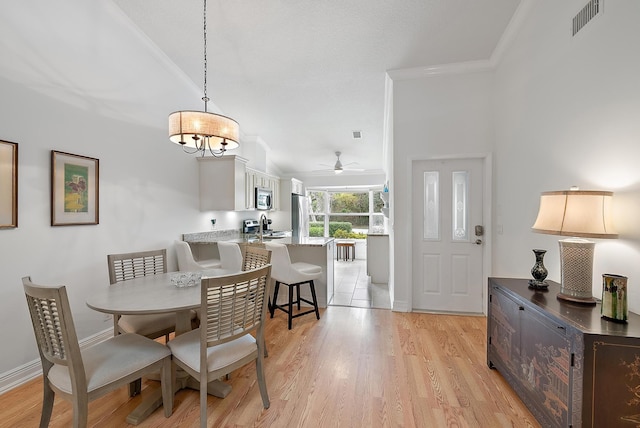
(587, 13)
(357, 135)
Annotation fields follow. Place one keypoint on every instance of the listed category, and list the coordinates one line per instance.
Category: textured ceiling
(299, 74)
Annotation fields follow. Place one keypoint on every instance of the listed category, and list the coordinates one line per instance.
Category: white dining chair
(81, 376)
(230, 256)
(234, 306)
(292, 275)
(186, 261)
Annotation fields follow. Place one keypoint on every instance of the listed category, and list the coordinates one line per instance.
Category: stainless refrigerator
(299, 216)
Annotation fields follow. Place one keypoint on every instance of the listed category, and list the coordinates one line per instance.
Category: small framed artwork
(8, 185)
(74, 189)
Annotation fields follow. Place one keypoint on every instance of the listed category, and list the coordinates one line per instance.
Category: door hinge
(573, 359)
(490, 296)
(489, 340)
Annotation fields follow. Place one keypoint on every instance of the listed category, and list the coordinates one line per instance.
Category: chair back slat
(53, 324)
(233, 305)
(254, 257)
(127, 266)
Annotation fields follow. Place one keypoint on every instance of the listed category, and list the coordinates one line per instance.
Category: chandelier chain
(205, 98)
(201, 132)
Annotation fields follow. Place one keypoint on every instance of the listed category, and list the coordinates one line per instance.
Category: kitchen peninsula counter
(242, 238)
(315, 250)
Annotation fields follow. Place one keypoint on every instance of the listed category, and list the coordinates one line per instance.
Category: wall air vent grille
(593, 8)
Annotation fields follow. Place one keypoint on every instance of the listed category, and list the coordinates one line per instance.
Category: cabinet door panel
(545, 364)
(505, 333)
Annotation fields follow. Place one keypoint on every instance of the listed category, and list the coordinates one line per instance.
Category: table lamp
(578, 214)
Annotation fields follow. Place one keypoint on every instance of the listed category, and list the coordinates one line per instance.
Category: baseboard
(33, 369)
(400, 306)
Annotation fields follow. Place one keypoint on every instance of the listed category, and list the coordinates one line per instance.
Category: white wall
(66, 93)
(567, 114)
(148, 198)
(556, 111)
(435, 116)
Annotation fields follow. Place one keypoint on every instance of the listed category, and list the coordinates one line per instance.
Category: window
(345, 214)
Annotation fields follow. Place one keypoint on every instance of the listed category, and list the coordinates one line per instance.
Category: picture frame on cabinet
(74, 189)
(8, 185)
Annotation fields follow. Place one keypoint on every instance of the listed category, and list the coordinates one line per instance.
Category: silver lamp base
(576, 264)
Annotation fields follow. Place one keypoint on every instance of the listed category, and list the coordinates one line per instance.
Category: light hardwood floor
(354, 368)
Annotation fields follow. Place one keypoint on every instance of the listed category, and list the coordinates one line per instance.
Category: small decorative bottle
(614, 298)
(539, 272)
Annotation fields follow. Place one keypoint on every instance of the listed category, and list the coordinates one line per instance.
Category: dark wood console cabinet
(568, 365)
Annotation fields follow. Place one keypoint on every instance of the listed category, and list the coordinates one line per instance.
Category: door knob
(478, 242)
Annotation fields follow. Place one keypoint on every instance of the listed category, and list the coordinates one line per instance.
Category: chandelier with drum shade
(203, 132)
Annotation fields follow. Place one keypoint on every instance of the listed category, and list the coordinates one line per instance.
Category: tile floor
(354, 288)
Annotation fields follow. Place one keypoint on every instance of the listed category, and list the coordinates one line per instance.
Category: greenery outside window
(345, 214)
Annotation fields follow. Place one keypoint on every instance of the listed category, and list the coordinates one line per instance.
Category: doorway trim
(487, 213)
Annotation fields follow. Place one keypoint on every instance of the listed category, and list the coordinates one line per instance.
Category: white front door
(447, 245)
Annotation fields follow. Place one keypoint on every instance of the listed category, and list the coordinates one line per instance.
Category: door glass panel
(460, 212)
(431, 205)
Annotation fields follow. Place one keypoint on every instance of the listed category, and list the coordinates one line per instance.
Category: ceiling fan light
(338, 170)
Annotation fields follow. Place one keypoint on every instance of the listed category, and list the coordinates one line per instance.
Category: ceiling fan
(339, 167)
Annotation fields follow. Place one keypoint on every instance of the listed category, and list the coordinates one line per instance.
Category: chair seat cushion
(300, 272)
(306, 268)
(113, 359)
(210, 264)
(147, 324)
(186, 348)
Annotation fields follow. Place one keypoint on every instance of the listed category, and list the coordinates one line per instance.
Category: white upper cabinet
(255, 179)
(288, 187)
(222, 184)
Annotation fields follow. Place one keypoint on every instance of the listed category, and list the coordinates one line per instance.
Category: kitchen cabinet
(568, 365)
(288, 187)
(378, 258)
(222, 183)
(253, 179)
(297, 187)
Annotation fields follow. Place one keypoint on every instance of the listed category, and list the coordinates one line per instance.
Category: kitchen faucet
(263, 222)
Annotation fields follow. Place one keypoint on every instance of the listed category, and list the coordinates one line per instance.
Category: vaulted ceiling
(301, 75)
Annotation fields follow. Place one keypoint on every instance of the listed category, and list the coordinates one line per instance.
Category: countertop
(214, 236)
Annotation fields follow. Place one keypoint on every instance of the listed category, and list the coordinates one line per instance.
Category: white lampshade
(579, 213)
(190, 128)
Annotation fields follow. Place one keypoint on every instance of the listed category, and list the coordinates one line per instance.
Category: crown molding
(509, 34)
(437, 70)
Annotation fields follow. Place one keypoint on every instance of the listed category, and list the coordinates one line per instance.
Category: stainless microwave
(264, 199)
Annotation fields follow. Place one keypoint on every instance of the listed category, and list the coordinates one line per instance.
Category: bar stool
(292, 275)
(230, 256)
(345, 249)
(186, 261)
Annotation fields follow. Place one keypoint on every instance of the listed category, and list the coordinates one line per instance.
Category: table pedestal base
(154, 398)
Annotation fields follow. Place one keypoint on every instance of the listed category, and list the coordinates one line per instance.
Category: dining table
(156, 294)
